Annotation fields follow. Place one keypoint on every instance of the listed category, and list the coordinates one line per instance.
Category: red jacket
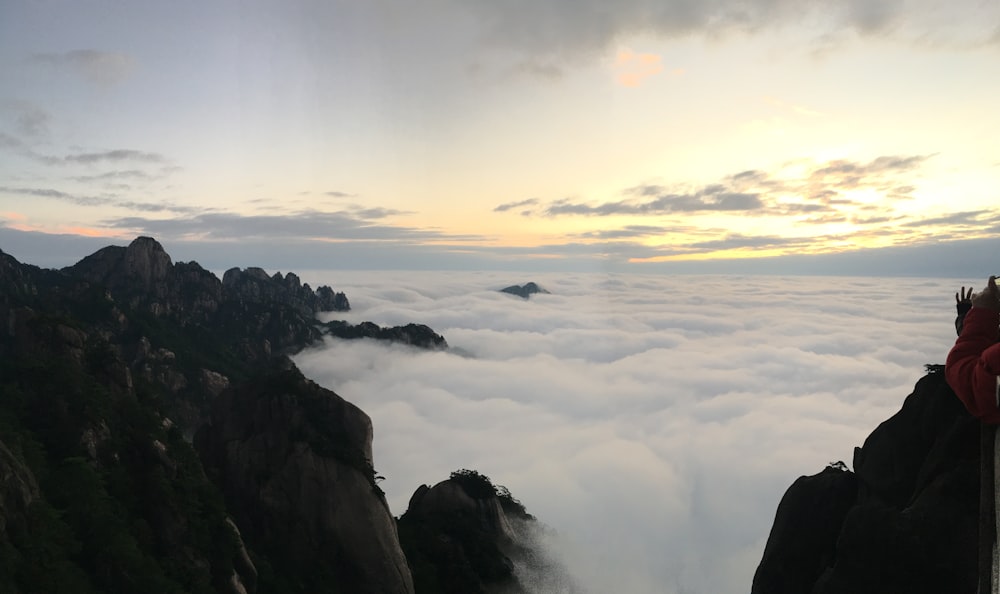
(974, 364)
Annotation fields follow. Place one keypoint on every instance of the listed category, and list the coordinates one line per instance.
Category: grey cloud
(752, 191)
(117, 155)
(30, 120)
(110, 176)
(58, 195)
(801, 207)
(336, 194)
(373, 213)
(851, 174)
(971, 217)
(333, 226)
(8, 141)
(630, 231)
(20, 147)
(99, 67)
(872, 220)
(737, 241)
(512, 205)
(154, 206)
(564, 29)
(710, 199)
(544, 70)
(105, 200)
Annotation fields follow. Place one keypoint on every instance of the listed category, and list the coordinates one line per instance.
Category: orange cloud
(631, 69)
(19, 222)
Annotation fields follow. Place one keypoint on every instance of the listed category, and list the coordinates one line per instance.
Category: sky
(779, 136)
(653, 422)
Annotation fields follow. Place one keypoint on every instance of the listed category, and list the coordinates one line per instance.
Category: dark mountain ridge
(524, 291)
(904, 521)
(109, 367)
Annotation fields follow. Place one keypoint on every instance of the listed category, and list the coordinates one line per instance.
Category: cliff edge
(905, 520)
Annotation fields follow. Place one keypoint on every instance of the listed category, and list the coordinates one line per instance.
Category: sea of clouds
(653, 422)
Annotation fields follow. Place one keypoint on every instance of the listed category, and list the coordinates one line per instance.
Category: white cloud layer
(653, 422)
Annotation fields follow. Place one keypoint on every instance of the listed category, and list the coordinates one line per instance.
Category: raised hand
(989, 297)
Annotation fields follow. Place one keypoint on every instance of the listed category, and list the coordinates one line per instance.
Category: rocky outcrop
(253, 285)
(18, 489)
(106, 369)
(294, 462)
(904, 521)
(465, 535)
(417, 335)
(524, 291)
(143, 276)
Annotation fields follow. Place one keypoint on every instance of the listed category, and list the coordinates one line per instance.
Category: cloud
(57, 195)
(114, 176)
(632, 69)
(27, 118)
(567, 30)
(709, 199)
(115, 156)
(376, 212)
(852, 174)
(626, 410)
(822, 188)
(631, 231)
(737, 241)
(98, 67)
(89, 200)
(538, 69)
(336, 194)
(975, 218)
(351, 224)
(512, 205)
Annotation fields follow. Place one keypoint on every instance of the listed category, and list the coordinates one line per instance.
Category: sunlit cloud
(20, 222)
(632, 69)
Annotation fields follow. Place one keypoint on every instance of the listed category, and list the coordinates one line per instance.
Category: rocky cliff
(905, 520)
(524, 291)
(154, 437)
(109, 366)
(465, 535)
(295, 464)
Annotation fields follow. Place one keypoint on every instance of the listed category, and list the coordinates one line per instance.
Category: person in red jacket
(973, 365)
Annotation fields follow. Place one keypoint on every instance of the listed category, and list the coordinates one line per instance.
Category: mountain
(467, 535)
(524, 291)
(906, 518)
(155, 436)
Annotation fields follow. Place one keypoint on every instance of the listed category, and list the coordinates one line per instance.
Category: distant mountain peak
(524, 291)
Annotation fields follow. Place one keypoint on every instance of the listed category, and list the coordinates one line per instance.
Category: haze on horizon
(847, 137)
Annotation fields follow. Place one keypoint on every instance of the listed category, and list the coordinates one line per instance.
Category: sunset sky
(519, 134)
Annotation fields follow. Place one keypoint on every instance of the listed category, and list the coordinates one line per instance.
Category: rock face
(524, 291)
(295, 464)
(18, 489)
(253, 285)
(904, 521)
(417, 335)
(108, 367)
(466, 536)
